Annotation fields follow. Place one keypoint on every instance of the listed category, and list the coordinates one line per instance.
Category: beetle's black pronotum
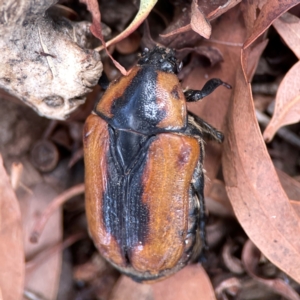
(144, 170)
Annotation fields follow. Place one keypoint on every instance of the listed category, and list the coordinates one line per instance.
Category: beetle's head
(161, 58)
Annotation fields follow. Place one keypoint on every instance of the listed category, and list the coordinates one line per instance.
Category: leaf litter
(252, 189)
(11, 241)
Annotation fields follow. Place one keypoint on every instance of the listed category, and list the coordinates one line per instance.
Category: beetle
(144, 173)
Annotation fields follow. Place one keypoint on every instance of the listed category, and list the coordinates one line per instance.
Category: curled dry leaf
(200, 19)
(256, 195)
(229, 286)
(144, 10)
(213, 9)
(11, 241)
(288, 26)
(96, 29)
(287, 105)
(222, 8)
(250, 257)
(191, 283)
(199, 23)
(232, 262)
(271, 10)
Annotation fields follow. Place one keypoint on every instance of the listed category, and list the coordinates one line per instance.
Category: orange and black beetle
(144, 176)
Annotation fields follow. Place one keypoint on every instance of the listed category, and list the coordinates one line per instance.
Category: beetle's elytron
(144, 175)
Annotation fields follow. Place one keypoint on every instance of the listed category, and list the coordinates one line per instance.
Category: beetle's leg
(200, 126)
(209, 87)
(103, 81)
(198, 187)
(195, 130)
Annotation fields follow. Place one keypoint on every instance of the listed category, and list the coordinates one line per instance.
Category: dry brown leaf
(96, 29)
(249, 63)
(288, 26)
(249, 10)
(292, 189)
(182, 29)
(217, 201)
(144, 10)
(51, 208)
(250, 257)
(249, 57)
(287, 105)
(222, 9)
(126, 289)
(290, 185)
(200, 17)
(258, 200)
(271, 10)
(42, 277)
(191, 283)
(296, 206)
(213, 54)
(262, 205)
(12, 260)
(199, 23)
(213, 9)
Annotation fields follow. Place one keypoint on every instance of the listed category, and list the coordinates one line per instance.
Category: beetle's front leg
(209, 87)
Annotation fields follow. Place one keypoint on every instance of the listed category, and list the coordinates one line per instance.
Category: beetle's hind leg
(198, 128)
(202, 128)
(209, 87)
(198, 189)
